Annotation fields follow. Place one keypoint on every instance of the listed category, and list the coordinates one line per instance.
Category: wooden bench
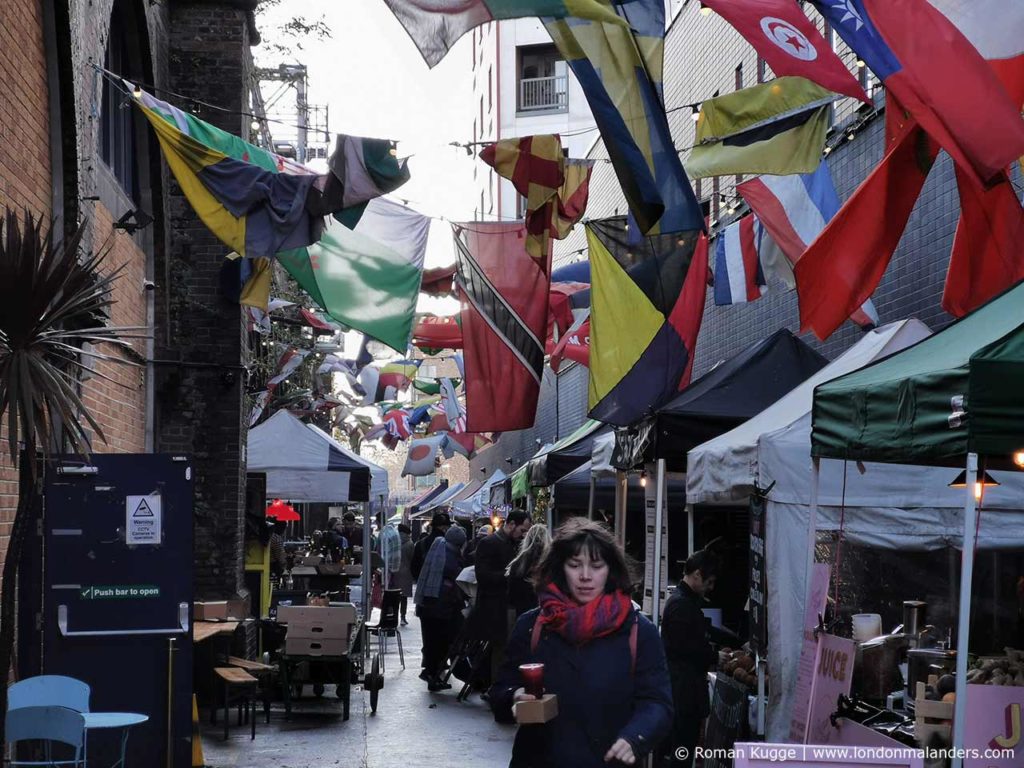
(262, 672)
(241, 686)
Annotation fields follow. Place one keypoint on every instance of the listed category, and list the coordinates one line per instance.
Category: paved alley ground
(411, 729)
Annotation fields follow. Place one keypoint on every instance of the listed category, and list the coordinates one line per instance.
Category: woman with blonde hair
(520, 572)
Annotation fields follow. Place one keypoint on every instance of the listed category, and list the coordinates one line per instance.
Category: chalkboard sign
(758, 583)
(726, 723)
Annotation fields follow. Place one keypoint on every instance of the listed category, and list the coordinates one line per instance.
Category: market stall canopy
(378, 475)
(956, 392)
(475, 504)
(724, 397)
(573, 491)
(725, 470)
(424, 498)
(520, 481)
(301, 466)
(429, 507)
(557, 460)
(601, 455)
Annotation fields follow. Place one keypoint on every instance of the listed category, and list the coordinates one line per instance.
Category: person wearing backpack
(602, 658)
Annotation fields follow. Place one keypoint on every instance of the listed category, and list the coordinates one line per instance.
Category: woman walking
(439, 603)
(403, 577)
(602, 658)
(522, 596)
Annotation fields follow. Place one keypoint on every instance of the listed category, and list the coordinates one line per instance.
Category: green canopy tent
(946, 401)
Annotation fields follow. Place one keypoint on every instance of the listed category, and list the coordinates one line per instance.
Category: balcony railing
(537, 93)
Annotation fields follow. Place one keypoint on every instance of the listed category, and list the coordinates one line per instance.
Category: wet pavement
(411, 729)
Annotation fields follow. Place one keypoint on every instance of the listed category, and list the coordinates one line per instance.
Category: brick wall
(200, 401)
(701, 56)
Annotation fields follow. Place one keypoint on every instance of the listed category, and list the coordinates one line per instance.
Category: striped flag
(739, 277)
(793, 211)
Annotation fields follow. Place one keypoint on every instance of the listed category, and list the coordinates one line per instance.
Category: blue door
(117, 596)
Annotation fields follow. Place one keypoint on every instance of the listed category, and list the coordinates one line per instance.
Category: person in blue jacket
(602, 658)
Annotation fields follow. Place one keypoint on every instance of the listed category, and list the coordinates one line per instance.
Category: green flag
(367, 278)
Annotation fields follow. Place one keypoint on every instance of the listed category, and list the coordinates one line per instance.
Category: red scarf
(579, 624)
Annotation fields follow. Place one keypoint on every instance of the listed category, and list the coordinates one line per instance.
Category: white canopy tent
(378, 475)
(886, 506)
(477, 504)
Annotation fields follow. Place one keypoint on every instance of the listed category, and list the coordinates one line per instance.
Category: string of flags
(633, 314)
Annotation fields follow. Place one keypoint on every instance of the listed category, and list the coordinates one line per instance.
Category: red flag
(788, 42)
(574, 345)
(503, 291)
(938, 75)
(988, 250)
(438, 281)
(688, 312)
(841, 269)
(437, 333)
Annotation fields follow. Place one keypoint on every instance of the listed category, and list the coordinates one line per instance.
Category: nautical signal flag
(777, 127)
(253, 209)
(788, 42)
(954, 95)
(434, 26)
(504, 292)
(739, 277)
(620, 68)
(647, 302)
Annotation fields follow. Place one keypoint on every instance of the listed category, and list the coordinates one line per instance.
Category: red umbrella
(285, 513)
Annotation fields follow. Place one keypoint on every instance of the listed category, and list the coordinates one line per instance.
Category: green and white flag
(367, 278)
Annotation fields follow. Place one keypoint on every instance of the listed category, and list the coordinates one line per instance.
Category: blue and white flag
(739, 276)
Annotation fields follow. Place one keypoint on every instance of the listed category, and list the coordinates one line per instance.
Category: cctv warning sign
(144, 518)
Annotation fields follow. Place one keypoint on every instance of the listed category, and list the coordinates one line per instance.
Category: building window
(490, 88)
(481, 114)
(490, 192)
(118, 119)
(542, 79)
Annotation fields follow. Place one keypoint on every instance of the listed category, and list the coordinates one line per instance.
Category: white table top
(113, 719)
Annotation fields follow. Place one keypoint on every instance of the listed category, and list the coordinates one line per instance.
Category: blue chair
(54, 725)
(49, 691)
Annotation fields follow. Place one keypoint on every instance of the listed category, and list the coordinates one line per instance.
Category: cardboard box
(238, 608)
(539, 711)
(211, 611)
(309, 646)
(317, 622)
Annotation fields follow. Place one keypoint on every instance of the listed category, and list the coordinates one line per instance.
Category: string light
(827, 149)
(704, 10)
(643, 479)
(137, 92)
(255, 125)
(695, 113)
(861, 64)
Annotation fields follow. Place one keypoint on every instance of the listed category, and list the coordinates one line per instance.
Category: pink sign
(833, 673)
(808, 653)
(994, 734)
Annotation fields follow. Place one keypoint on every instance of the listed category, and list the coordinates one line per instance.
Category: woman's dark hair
(578, 535)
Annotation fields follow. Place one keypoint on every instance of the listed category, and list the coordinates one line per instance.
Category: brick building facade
(704, 56)
(73, 151)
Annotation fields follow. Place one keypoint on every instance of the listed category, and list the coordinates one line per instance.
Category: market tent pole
(659, 523)
(621, 489)
(367, 571)
(549, 513)
(964, 626)
(590, 499)
(689, 529)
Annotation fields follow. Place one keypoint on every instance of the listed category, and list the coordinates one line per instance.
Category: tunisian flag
(789, 42)
(938, 75)
(841, 269)
(504, 292)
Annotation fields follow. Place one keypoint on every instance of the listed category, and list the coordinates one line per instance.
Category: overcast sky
(376, 84)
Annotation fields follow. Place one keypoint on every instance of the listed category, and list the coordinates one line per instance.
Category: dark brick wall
(200, 401)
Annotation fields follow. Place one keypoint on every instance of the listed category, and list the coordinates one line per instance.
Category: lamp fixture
(986, 481)
(704, 10)
(643, 479)
(695, 112)
(133, 220)
(1018, 458)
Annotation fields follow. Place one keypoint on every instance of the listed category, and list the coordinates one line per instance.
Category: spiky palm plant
(53, 300)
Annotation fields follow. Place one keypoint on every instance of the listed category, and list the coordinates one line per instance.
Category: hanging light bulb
(695, 113)
(137, 92)
(643, 479)
(850, 136)
(704, 10)
(255, 124)
(861, 64)
(1018, 458)
(827, 149)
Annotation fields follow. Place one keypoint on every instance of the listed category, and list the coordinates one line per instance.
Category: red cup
(533, 679)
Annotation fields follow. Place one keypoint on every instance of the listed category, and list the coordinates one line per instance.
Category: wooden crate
(928, 714)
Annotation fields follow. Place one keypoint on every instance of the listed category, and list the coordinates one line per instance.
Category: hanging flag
(788, 42)
(317, 321)
(453, 410)
(435, 25)
(572, 196)
(399, 374)
(620, 69)
(469, 444)
(503, 291)
(367, 278)
(738, 275)
(777, 127)
(987, 256)
(432, 334)
(845, 263)
(793, 210)
(252, 210)
(647, 301)
(287, 364)
(536, 167)
(258, 407)
(421, 460)
(954, 96)
(574, 344)
(396, 422)
(564, 300)
(360, 170)
(439, 281)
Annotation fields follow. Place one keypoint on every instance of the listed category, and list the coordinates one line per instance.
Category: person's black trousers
(683, 740)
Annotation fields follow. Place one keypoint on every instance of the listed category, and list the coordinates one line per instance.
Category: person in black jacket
(439, 603)
(602, 659)
(439, 525)
(684, 632)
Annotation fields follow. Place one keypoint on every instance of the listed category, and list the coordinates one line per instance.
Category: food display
(998, 670)
(739, 665)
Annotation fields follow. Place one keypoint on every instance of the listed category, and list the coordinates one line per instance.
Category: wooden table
(204, 630)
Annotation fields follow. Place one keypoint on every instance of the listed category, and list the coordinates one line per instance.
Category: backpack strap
(535, 634)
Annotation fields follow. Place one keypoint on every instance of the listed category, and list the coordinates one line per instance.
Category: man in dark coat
(684, 631)
(492, 556)
(439, 526)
